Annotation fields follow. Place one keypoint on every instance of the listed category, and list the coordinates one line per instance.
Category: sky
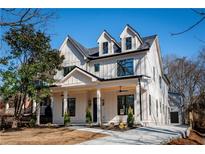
(86, 25)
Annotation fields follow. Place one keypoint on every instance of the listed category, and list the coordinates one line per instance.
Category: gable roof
(84, 51)
(76, 68)
(147, 42)
(133, 31)
(93, 53)
(111, 38)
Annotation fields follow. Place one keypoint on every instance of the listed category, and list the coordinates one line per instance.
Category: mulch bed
(115, 128)
(193, 139)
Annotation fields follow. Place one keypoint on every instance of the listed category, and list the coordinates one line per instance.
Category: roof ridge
(79, 46)
(111, 37)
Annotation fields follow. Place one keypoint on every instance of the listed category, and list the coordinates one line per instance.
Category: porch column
(99, 119)
(38, 113)
(65, 96)
(136, 104)
(52, 101)
(34, 107)
(52, 107)
(6, 107)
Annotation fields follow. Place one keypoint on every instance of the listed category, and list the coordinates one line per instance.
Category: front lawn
(43, 136)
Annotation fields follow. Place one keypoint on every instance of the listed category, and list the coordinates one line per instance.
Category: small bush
(130, 117)
(66, 119)
(32, 121)
(88, 117)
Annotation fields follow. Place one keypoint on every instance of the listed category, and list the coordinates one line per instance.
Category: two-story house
(110, 78)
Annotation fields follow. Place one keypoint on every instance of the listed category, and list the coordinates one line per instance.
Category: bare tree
(187, 77)
(19, 17)
(10, 18)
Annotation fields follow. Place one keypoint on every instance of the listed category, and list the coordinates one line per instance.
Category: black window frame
(160, 106)
(62, 108)
(160, 81)
(105, 47)
(125, 104)
(71, 111)
(97, 67)
(150, 105)
(128, 43)
(123, 68)
(68, 69)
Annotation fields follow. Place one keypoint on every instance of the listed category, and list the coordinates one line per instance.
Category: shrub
(32, 121)
(88, 117)
(130, 117)
(66, 118)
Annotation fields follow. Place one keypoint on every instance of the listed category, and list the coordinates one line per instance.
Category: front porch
(107, 105)
(108, 100)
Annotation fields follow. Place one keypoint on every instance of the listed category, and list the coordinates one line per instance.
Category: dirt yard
(193, 139)
(46, 136)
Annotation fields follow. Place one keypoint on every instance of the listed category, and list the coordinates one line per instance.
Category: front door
(174, 117)
(95, 109)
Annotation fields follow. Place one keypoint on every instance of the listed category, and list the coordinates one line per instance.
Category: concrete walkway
(145, 135)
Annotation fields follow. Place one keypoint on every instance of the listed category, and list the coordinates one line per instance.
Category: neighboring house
(111, 78)
(176, 108)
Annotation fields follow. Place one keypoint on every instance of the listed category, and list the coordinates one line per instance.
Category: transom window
(97, 67)
(71, 106)
(68, 69)
(124, 102)
(105, 47)
(125, 67)
(128, 43)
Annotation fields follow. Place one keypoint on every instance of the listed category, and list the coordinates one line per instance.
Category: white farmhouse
(110, 78)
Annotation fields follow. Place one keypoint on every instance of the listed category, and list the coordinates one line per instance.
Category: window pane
(125, 67)
(105, 47)
(121, 105)
(150, 105)
(129, 103)
(128, 43)
(124, 102)
(62, 108)
(71, 106)
(97, 67)
(160, 81)
(68, 69)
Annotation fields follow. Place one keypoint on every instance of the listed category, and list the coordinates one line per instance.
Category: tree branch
(191, 27)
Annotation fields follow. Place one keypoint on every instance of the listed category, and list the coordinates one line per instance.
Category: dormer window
(128, 43)
(105, 47)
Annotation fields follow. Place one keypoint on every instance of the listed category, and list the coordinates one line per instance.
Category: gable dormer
(107, 44)
(130, 39)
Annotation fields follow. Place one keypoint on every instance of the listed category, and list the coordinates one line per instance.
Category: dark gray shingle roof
(94, 52)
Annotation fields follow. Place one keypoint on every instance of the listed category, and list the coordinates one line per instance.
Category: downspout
(140, 98)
